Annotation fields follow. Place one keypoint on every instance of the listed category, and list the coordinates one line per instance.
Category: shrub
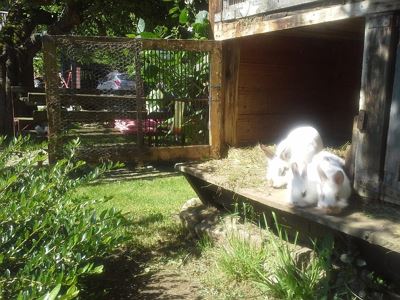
(49, 237)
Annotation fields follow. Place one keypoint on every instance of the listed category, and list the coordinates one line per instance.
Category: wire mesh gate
(130, 99)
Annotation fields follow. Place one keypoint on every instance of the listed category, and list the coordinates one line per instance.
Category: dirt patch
(169, 283)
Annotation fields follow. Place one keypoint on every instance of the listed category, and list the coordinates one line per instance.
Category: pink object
(131, 126)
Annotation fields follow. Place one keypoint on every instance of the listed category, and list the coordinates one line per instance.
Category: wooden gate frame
(195, 152)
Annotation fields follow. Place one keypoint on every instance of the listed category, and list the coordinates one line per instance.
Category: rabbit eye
(303, 194)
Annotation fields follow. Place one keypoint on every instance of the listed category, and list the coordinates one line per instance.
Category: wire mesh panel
(176, 91)
(118, 93)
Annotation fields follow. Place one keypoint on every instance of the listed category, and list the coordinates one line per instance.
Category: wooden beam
(97, 115)
(231, 63)
(292, 19)
(250, 8)
(391, 180)
(216, 101)
(132, 153)
(381, 35)
(147, 44)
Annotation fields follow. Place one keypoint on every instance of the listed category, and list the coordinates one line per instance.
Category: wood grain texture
(231, 61)
(132, 153)
(264, 23)
(375, 96)
(391, 180)
(216, 101)
(376, 224)
(286, 81)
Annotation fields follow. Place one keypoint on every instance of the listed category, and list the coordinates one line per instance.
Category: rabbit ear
(268, 152)
(338, 177)
(321, 174)
(295, 169)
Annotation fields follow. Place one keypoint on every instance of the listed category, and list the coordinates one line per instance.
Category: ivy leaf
(184, 16)
(141, 25)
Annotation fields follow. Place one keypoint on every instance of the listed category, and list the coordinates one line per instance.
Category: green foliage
(240, 259)
(50, 237)
(286, 278)
(191, 22)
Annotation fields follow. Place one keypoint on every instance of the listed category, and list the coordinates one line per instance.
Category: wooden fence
(132, 99)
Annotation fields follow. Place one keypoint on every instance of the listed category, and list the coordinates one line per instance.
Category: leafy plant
(50, 237)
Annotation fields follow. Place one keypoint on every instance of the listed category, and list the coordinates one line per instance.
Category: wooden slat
(216, 103)
(281, 21)
(376, 88)
(97, 116)
(231, 62)
(391, 180)
(250, 8)
(91, 101)
(23, 89)
(40, 116)
(132, 153)
(36, 98)
(148, 44)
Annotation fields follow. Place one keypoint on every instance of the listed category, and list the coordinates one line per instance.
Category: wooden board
(231, 61)
(148, 44)
(293, 19)
(97, 116)
(250, 8)
(216, 103)
(391, 180)
(132, 153)
(374, 223)
(376, 87)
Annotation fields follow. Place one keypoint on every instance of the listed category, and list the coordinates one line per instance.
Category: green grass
(151, 205)
(240, 259)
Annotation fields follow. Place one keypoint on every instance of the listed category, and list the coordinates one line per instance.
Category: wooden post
(52, 98)
(391, 180)
(375, 95)
(216, 101)
(231, 61)
(140, 104)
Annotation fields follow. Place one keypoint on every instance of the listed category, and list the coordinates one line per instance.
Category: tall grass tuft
(286, 278)
(241, 259)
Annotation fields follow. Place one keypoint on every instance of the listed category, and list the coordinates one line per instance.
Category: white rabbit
(323, 183)
(335, 187)
(301, 144)
(302, 187)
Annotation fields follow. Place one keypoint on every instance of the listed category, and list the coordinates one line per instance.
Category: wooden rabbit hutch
(334, 65)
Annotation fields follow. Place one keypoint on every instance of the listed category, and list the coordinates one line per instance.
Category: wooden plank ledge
(280, 21)
(378, 224)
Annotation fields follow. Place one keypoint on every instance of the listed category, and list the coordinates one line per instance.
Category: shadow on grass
(136, 172)
(132, 273)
